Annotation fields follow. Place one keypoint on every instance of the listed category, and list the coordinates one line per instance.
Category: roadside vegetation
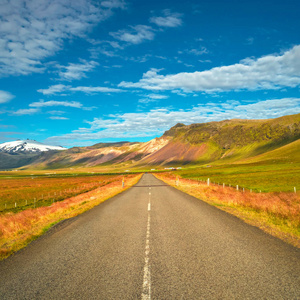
(25, 192)
(272, 177)
(17, 229)
(277, 213)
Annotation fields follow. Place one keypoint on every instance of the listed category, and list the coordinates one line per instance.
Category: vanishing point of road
(153, 242)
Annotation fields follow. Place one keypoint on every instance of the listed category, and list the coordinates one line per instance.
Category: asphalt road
(153, 242)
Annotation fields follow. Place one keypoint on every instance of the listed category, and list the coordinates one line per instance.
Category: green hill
(233, 140)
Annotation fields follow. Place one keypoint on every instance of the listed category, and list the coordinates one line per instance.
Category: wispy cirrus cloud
(36, 107)
(168, 19)
(152, 98)
(196, 51)
(5, 96)
(56, 112)
(114, 4)
(156, 121)
(76, 71)
(32, 30)
(135, 34)
(95, 89)
(54, 89)
(268, 72)
(61, 88)
(74, 104)
(56, 103)
(58, 118)
(26, 111)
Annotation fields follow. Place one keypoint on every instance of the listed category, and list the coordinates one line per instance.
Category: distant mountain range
(23, 152)
(227, 141)
(27, 146)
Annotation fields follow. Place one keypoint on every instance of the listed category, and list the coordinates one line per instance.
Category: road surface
(153, 242)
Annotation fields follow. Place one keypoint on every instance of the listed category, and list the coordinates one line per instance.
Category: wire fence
(45, 199)
(208, 182)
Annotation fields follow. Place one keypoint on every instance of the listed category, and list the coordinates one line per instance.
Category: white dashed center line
(146, 294)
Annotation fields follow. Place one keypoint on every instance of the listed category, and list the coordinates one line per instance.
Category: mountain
(228, 141)
(100, 154)
(23, 152)
(26, 146)
(9, 161)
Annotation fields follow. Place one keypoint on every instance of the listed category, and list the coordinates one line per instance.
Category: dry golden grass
(275, 213)
(30, 191)
(18, 229)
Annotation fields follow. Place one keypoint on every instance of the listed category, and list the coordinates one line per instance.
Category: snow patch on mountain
(27, 146)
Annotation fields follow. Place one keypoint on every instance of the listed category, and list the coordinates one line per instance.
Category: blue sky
(74, 73)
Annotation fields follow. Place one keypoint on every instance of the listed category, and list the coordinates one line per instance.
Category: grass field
(17, 229)
(278, 213)
(22, 191)
(281, 177)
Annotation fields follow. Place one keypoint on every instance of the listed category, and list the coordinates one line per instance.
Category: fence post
(208, 181)
(237, 187)
(295, 189)
(223, 185)
(15, 204)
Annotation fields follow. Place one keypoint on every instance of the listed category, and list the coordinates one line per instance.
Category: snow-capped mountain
(27, 146)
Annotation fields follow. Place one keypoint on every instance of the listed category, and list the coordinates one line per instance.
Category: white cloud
(107, 48)
(135, 35)
(147, 100)
(54, 89)
(32, 30)
(152, 98)
(204, 60)
(156, 121)
(76, 71)
(5, 96)
(168, 19)
(26, 111)
(58, 118)
(200, 51)
(114, 4)
(36, 108)
(60, 88)
(268, 72)
(56, 103)
(157, 96)
(56, 112)
(95, 89)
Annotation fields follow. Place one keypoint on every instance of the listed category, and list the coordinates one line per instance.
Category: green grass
(275, 171)
(258, 177)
